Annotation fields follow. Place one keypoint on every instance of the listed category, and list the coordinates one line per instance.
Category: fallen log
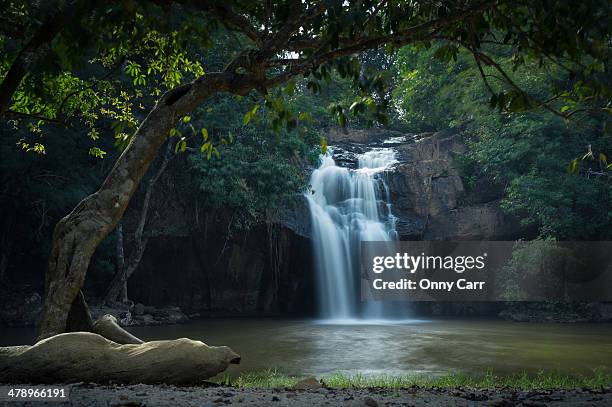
(89, 357)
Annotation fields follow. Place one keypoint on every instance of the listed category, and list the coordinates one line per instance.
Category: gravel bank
(145, 395)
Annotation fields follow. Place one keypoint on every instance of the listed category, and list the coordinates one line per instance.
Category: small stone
(148, 318)
(502, 403)
(130, 403)
(139, 309)
(274, 398)
(308, 384)
(370, 402)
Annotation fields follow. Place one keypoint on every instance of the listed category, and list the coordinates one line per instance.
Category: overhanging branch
(32, 52)
(421, 32)
(232, 20)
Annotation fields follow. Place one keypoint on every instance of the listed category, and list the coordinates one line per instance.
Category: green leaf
(251, 114)
(290, 88)
(204, 134)
(205, 147)
(96, 152)
(305, 117)
(181, 145)
(603, 158)
(572, 167)
(324, 145)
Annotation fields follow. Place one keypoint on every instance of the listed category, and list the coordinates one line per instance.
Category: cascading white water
(347, 207)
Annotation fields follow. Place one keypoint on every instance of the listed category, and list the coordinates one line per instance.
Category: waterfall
(348, 206)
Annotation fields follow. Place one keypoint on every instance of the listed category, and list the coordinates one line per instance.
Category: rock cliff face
(266, 271)
(431, 199)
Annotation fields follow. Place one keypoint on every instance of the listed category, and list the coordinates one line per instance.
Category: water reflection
(418, 347)
(303, 347)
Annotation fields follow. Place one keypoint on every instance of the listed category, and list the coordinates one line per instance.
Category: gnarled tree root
(85, 356)
(79, 320)
(107, 327)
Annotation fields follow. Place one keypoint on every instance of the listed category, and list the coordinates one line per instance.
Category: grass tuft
(268, 378)
(272, 378)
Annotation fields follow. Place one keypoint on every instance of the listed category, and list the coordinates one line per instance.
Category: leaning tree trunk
(77, 235)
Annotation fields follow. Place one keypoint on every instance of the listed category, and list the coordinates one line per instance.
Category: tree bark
(79, 318)
(117, 290)
(77, 235)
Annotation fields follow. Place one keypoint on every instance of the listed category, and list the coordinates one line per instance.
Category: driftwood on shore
(89, 357)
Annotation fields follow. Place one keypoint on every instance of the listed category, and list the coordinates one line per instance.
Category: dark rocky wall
(251, 274)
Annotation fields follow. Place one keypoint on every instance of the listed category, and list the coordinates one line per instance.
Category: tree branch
(421, 32)
(480, 58)
(13, 113)
(297, 18)
(32, 52)
(231, 19)
(490, 62)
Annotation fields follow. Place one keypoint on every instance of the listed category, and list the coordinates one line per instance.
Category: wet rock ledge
(140, 315)
(20, 307)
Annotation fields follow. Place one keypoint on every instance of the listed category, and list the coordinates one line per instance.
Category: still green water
(304, 347)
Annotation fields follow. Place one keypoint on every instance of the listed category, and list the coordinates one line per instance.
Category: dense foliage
(128, 53)
(257, 170)
(556, 171)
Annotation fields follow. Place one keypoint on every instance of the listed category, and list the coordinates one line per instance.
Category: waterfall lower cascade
(348, 206)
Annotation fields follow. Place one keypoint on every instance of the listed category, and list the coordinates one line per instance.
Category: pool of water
(303, 347)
